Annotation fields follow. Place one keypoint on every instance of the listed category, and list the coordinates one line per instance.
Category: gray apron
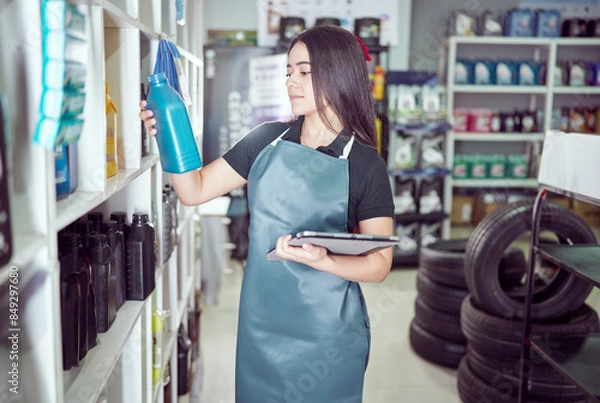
(303, 334)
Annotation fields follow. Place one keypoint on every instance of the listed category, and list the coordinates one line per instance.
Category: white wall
(242, 15)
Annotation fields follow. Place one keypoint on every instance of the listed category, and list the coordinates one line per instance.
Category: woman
(303, 331)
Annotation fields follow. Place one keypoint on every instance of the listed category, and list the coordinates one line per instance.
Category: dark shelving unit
(576, 357)
(565, 167)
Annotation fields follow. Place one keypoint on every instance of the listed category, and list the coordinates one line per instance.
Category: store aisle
(394, 374)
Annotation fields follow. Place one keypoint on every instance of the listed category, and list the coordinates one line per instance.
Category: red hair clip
(364, 48)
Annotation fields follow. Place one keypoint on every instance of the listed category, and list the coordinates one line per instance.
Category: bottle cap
(157, 78)
(70, 239)
(119, 216)
(140, 218)
(96, 217)
(109, 226)
(97, 240)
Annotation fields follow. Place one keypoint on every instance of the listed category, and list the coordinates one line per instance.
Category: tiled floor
(395, 372)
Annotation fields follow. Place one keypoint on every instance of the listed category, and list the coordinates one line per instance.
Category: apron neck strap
(347, 148)
(345, 152)
(280, 136)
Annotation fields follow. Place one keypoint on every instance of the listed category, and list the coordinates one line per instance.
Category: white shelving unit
(122, 38)
(546, 97)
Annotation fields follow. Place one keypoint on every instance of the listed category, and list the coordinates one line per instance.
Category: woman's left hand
(308, 254)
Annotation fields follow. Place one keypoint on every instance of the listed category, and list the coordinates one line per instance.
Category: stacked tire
(435, 333)
(492, 314)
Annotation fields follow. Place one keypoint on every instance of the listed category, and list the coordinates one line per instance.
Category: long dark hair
(341, 79)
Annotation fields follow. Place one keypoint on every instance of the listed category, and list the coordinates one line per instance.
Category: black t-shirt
(370, 192)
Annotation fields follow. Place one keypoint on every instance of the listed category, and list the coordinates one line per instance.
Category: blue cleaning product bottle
(175, 138)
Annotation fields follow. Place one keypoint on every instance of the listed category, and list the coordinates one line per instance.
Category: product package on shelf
(64, 50)
(431, 190)
(405, 199)
(112, 135)
(104, 280)
(141, 258)
(63, 77)
(415, 97)
(408, 232)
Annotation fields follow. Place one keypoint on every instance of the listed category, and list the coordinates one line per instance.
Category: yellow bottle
(112, 163)
(379, 83)
(157, 334)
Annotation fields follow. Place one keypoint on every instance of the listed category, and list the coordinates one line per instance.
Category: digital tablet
(340, 243)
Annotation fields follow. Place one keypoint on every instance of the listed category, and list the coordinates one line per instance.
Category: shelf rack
(566, 163)
(545, 50)
(121, 43)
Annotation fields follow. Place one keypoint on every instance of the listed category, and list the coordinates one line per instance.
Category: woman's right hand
(147, 117)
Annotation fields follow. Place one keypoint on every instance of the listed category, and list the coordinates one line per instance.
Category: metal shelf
(98, 364)
(565, 166)
(471, 136)
(500, 40)
(576, 357)
(79, 203)
(581, 260)
(522, 41)
(495, 183)
(589, 90)
(501, 89)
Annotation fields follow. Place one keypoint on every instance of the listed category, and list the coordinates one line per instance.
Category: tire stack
(435, 334)
(492, 315)
(435, 331)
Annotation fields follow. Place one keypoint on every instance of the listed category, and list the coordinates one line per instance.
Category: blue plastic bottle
(175, 138)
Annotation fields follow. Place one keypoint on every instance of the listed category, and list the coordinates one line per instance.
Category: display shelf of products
(565, 164)
(419, 175)
(475, 136)
(100, 361)
(539, 101)
(496, 183)
(79, 203)
(121, 38)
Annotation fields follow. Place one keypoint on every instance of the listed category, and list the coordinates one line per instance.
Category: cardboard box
(483, 207)
(589, 212)
(563, 201)
(462, 208)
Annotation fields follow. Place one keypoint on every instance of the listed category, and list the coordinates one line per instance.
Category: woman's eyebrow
(299, 63)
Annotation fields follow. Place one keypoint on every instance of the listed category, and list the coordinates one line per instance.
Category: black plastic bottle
(116, 241)
(70, 299)
(122, 222)
(183, 362)
(83, 228)
(95, 218)
(74, 262)
(103, 278)
(141, 258)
